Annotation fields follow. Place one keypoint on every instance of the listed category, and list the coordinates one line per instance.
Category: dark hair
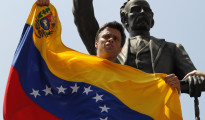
(114, 25)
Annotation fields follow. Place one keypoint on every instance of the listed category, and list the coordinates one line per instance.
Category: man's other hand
(173, 81)
(43, 2)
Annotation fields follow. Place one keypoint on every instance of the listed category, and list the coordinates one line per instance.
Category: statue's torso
(139, 55)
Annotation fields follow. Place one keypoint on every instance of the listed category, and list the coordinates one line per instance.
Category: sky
(178, 21)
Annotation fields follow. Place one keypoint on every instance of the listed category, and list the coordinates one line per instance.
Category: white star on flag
(104, 109)
(87, 90)
(75, 88)
(104, 118)
(61, 89)
(98, 97)
(35, 93)
(47, 91)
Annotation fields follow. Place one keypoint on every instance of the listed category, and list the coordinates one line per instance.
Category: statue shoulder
(159, 39)
(175, 45)
(168, 45)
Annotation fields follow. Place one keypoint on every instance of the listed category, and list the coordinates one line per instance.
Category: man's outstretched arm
(86, 23)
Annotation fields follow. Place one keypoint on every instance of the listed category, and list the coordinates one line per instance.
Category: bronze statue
(141, 50)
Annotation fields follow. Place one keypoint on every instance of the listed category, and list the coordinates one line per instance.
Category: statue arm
(195, 81)
(183, 63)
(86, 23)
(195, 72)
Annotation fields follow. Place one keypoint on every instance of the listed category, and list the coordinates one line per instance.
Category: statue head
(137, 15)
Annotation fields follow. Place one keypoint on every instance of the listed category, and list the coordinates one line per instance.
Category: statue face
(139, 15)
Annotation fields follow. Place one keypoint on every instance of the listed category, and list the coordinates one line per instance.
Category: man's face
(140, 16)
(109, 43)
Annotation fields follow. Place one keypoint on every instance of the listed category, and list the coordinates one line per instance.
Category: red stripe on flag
(18, 106)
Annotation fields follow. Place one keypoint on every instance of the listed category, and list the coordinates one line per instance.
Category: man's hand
(195, 79)
(43, 2)
(173, 81)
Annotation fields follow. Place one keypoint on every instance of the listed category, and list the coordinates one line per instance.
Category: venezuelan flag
(50, 81)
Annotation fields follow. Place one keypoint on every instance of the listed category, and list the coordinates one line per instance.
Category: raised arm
(43, 2)
(86, 23)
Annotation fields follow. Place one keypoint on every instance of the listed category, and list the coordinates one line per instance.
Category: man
(109, 41)
(105, 41)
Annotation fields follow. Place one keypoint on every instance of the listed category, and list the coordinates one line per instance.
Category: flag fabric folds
(48, 80)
